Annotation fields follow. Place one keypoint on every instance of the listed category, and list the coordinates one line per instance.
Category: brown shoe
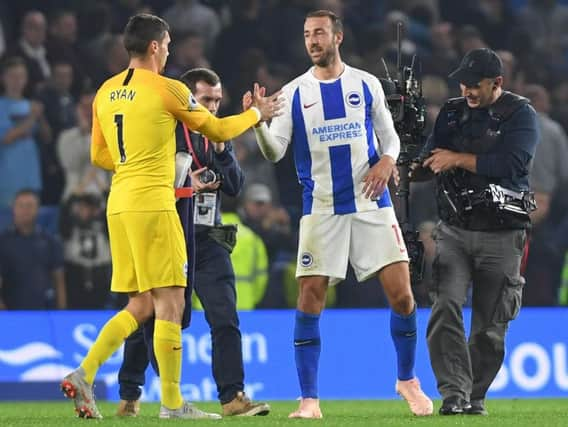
(128, 408)
(242, 406)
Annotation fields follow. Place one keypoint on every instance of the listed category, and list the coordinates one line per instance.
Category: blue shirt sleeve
(233, 176)
(513, 156)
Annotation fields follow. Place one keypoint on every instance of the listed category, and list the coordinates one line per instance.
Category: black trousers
(490, 263)
(215, 286)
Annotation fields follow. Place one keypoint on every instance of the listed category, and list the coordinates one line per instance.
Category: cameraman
(487, 136)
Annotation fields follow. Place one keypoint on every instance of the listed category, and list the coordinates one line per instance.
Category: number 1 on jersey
(119, 131)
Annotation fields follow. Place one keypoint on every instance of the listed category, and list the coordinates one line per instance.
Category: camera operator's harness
(496, 197)
(474, 201)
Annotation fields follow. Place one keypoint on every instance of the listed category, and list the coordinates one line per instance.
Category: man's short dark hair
(13, 61)
(336, 24)
(142, 29)
(27, 192)
(191, 77)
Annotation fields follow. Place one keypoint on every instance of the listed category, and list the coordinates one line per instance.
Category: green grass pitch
(517, 413)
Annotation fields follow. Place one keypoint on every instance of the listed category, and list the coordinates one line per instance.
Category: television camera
(408, 110)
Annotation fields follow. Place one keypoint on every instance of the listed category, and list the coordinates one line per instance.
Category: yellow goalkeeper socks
(167, 348)
(112, 335)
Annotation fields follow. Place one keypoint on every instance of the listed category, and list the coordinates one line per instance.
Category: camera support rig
(407, 107)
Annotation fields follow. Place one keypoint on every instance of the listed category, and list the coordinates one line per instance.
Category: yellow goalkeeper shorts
(148, 251)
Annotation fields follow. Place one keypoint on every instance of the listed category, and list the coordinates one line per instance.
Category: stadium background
(253, 40)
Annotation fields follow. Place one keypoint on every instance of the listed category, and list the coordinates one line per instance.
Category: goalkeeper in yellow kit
(134, 120)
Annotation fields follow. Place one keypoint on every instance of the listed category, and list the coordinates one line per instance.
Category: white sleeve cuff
(258, 115)
(392, 151)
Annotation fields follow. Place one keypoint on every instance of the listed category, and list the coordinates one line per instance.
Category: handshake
(269, 106)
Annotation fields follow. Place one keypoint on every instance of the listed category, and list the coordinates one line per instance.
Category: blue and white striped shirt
(335, 127)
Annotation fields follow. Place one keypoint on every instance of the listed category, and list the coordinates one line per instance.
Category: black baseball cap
(476, 65)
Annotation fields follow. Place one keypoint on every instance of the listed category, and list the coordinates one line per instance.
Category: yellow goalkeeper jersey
(134, 120)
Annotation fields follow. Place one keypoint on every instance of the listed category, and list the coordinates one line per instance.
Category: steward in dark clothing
(480, 150)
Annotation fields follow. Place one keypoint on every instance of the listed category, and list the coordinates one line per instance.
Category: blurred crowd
(55, 53)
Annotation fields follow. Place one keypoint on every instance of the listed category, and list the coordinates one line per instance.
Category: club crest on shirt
(192, 102)
(306, 259)
(353, 99)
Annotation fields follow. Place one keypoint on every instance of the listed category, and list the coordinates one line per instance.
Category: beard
(327, 57)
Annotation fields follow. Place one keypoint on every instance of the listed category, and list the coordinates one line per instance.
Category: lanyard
(187, 192)
(190, 145)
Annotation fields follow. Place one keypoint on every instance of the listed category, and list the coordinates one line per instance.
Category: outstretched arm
(184, 107)
(272, 142)
(222, 129)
